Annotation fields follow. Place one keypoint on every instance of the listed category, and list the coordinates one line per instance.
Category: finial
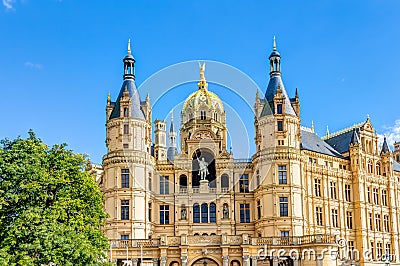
(297, 93)
(108, 98)
(368, 117)
(274, 44)
(129, 46)
(312, 126)
(327, 131)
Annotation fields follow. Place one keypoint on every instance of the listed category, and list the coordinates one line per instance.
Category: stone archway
(205, 262)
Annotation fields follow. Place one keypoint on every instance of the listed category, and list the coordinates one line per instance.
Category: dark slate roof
(385, 147)
(311, 142)
(273, 84)
(396, 166)
(136, 111)
(341, 142)
(171, 128)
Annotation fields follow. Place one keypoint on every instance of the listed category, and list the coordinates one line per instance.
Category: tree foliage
(51, 209)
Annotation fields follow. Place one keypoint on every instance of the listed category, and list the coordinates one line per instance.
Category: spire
(171, 128)
(354, 138)
(327, 131)
(274, 47)
(385, 146)
(203, 83)
(297, 94)
(312, 126)
(129, 46)
(275, 61)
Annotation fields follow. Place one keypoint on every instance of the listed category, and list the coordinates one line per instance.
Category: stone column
(246, 260)
(275, 261)
(184, 260)
(295, 261)
(155, 262)
(254, 261)
(225, 260)
(163, 261)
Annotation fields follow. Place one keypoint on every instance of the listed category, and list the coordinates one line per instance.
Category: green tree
(51, 209)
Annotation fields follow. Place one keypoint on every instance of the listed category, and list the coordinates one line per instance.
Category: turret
(160, 146)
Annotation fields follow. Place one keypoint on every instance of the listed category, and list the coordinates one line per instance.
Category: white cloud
(33, 65)
(392, 133)
(8, 4)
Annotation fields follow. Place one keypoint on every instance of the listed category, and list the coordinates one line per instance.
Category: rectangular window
(283, 206)
(318, 215)
(244, 183)
(372, 248)
(384, 197)
(350, 250)
(164, 185)
(333, 190)
(375, 194)
(124, 209)
(126, 129)
(150, 212)
(124, 237)
(125, 178)
(379, 250)
(347, 191)
(245, 213)
(282, 174)
(334, 213)
(126, 112)
(388, 249)
(368, 194)
(378, 222)
(284, 235)
(258, 209)
(280, 125)
(279, 108)
(317, 187)
(126, 146)
(386, 223)
(370, 221)
(164, 214)
(349, 220)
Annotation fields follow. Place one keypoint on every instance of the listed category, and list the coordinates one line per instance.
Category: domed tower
(203, 126)
(127, 164)
(278, 185)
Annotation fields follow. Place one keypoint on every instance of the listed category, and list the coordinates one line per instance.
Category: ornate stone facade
(297, 194)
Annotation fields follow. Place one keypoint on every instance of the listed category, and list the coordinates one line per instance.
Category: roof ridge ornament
(203, 83)
(129, 46)
(342, 131)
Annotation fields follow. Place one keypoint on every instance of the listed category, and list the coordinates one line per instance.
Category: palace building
(198, 205)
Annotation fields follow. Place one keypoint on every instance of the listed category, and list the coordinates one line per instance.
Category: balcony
(294, 240)
(136, 243)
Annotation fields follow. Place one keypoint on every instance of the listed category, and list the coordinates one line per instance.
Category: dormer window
(279, 108)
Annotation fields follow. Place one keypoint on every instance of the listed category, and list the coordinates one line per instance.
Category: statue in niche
(225, 211)
(183, 213)
(203, 168)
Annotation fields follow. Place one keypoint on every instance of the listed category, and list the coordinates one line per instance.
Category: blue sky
(59, 59)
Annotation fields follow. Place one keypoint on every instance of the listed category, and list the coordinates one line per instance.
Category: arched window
(370, 167)
(213, 213)
(378, 169)
(215, 116)
(204, 213)
(224, 183)
(196, 234)
(204, 234)
(196, 213)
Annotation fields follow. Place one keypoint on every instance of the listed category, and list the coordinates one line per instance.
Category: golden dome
(203, 98)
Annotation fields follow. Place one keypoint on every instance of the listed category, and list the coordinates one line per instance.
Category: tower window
(124, 209)
(245, 213)
(283, 207)
(164, 214)
(280, 125)
(279, 108)
(224, 183)
(126, 112)
(244, 183)
(258, 209)
(203, 115)
(282, 174)
(126, 129)
(125, 178)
